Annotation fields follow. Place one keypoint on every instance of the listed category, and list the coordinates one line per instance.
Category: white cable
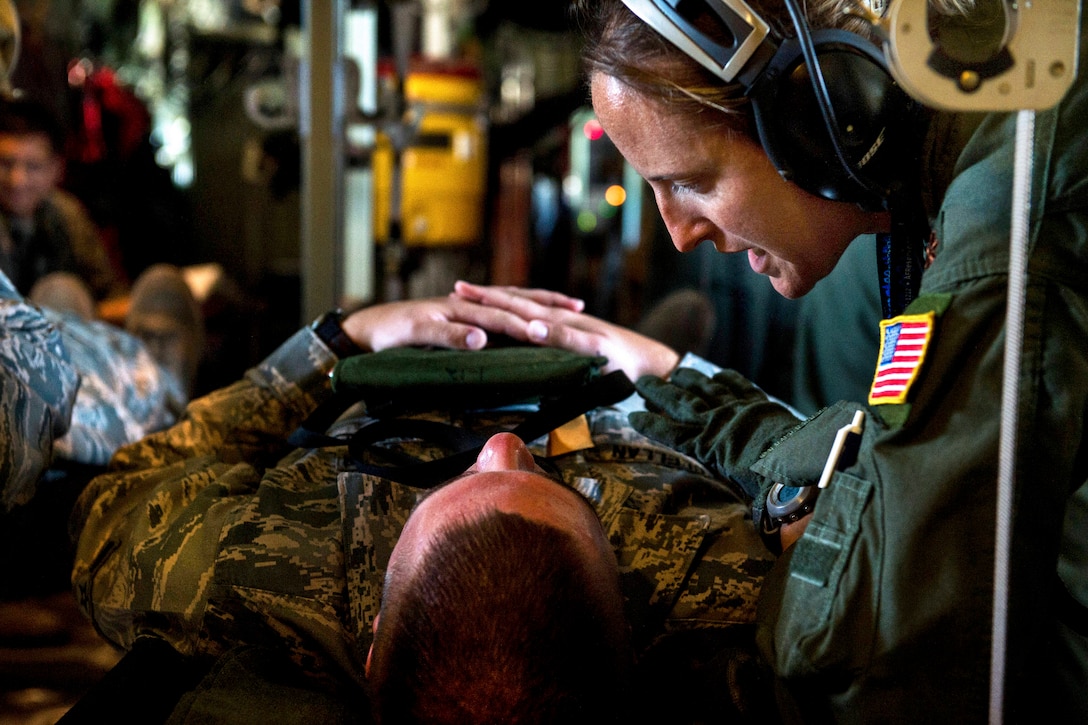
(1010, 392)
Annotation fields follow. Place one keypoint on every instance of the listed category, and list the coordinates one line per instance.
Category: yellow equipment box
(443, 165)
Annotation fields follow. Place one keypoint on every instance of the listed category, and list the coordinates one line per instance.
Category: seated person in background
(52, 252)
(620, 582)
(73, 392)
(45, 229)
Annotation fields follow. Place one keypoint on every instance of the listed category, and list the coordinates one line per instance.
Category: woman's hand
(451, 322)
(552, 319)
(543, 297)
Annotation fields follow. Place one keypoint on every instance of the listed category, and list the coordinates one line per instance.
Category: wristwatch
(786, 504)
(329, 330)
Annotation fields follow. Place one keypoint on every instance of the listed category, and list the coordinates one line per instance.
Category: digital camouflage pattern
(124, 394)
(72, 390)
(215, 533)
(37, 390)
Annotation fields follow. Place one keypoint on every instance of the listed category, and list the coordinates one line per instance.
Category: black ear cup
(840, 128)
(870, 150)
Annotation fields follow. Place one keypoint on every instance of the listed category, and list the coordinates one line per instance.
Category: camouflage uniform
(124, 394)
(45, 358)
(216, 533)
(37, 390)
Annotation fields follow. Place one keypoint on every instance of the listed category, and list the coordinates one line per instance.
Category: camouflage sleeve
(249, 420)
(37, 389)
(124, 394)
(692, 566)
(679, 532)
(180, 485)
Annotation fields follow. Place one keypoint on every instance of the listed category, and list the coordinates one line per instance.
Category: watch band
(329, 330)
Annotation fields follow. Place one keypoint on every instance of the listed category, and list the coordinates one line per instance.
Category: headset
(848, 135)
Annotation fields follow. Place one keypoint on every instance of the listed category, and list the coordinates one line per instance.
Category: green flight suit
(882, 611)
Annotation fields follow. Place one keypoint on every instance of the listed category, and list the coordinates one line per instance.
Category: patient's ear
(370, 652)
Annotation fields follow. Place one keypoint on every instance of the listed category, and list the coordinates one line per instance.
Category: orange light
(592, 129)
(615, 195)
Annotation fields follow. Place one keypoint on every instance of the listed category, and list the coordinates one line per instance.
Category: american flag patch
(903, 342)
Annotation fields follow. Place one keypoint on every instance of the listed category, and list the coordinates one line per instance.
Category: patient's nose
(505, 452)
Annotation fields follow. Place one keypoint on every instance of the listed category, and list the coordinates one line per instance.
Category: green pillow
(488, 378)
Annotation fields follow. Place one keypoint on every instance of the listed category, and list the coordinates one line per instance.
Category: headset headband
(743, 60)
(782, 76)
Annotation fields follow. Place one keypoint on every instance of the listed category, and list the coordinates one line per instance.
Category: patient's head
(502, 604)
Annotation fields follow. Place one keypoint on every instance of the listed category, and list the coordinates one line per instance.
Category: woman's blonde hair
(620, 45)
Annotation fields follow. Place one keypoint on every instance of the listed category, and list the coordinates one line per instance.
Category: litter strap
(553, 412)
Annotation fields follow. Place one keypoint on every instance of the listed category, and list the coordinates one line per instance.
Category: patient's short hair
(502, 623)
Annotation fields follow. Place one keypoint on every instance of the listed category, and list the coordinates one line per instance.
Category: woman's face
(719, 186)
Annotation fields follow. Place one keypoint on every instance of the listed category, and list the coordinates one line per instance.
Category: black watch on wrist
(331, 332)
(786, 504)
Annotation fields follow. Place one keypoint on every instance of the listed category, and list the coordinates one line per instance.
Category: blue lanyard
(899, 268)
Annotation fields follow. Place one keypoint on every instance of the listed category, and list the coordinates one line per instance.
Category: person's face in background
(29, 171)
(717, 185)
